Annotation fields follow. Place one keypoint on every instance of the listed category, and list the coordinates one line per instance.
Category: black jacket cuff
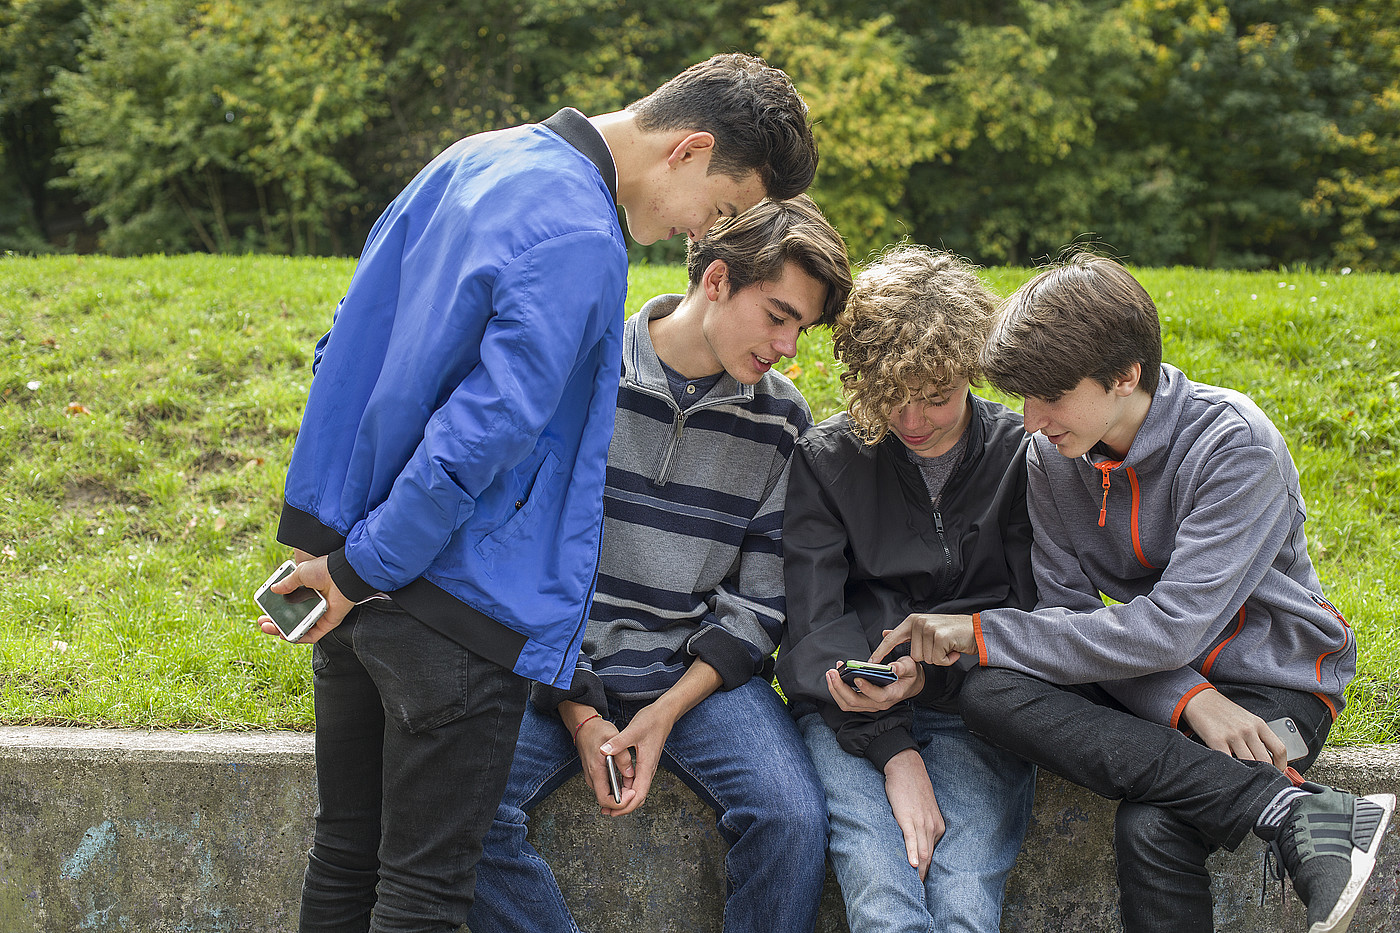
(725, 653)
(346, 579)
(586, 688)
(888, 744)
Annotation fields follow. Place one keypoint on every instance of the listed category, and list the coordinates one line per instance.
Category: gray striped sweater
(691, 563)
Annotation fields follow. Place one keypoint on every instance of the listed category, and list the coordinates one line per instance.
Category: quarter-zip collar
(641, 370)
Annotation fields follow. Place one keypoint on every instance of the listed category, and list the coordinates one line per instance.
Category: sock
(1274, 815)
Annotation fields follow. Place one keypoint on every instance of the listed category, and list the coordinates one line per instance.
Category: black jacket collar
(583, 136)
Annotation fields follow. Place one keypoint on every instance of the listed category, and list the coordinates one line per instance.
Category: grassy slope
(141, 476)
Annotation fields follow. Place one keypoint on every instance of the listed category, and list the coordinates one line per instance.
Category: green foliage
(37, 37)
(148, 409)
(229, 114)
(867, 101)
(1360, 193)
(1031, 92)
(1230, 133)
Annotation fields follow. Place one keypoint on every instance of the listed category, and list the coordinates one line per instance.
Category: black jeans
(1180, 800)
(414, 740)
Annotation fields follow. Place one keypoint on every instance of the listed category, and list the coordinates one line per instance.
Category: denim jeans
(740, 752)
(414, 735)
(985, 796)
(1180, 800)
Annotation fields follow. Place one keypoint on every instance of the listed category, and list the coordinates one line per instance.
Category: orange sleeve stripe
(977, 634)
(1181, 704)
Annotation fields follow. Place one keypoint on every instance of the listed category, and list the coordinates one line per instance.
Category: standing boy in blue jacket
(445, 492)
(676, 658)
(1181, 503)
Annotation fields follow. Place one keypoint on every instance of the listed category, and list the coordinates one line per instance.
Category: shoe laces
(1273, 861)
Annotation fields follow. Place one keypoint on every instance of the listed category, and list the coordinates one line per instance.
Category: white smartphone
(1287, 730)
(294, 613)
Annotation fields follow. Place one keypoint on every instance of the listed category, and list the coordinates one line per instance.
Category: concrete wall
(156, 832)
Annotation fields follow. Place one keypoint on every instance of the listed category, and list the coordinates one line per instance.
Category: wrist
(583, 722)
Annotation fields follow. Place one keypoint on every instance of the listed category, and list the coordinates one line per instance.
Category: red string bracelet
(580, 725)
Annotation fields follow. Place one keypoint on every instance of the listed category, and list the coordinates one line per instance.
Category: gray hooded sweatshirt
(1196, 537)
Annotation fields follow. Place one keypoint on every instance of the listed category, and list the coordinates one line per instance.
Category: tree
(229, 115)
(37, 38)
(1030, 89)
(872, 119)
(1359, 192)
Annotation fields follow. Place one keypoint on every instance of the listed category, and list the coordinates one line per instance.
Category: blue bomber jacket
(454, 445)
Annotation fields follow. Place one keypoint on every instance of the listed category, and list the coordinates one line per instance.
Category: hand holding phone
(881, 675)
(294, 613)
(1287, 730)
(614, 781)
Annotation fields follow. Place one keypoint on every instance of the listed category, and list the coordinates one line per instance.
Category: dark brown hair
(756, 116)
(1083, 318)
(757, 244)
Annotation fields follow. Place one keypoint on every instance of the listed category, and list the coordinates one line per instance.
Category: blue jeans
(985, 795)
(1180, 800)
(414, 735)
(740, 752)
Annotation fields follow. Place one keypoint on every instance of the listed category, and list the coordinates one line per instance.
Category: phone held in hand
(882, 675)
(614, 782)
(294, 613)
(1287, 730)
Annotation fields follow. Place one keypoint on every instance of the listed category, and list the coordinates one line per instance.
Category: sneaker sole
(1363, 862)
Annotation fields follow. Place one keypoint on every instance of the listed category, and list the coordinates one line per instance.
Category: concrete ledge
(162, 832)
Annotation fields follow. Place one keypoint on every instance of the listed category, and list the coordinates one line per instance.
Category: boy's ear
(715, 280)
(1127, 383)
(697, 146)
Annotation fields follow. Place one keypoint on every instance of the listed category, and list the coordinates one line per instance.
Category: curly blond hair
(915, 321)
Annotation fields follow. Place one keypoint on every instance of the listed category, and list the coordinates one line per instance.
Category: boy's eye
(777, 321)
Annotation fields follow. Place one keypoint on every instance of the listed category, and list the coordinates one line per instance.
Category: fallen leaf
(77, 408)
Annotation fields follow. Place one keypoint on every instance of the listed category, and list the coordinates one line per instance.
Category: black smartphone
(881, 675)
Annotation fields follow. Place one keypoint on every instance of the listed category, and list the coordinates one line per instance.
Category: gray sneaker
(1328, 846)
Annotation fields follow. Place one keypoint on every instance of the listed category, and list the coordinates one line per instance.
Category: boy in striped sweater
(689, 605)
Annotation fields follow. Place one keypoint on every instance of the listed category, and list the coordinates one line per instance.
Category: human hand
(1227, 727)
(311, 571)
(934, 639)
(915, 808)
(872, 698)
(646, 734)
(591, 731)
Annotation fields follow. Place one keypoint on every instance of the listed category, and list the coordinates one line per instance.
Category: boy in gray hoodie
(1181, 503)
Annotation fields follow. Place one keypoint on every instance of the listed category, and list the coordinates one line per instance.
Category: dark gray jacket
(863, 548)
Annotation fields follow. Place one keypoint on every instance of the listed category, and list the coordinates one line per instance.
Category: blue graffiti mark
(94, 841)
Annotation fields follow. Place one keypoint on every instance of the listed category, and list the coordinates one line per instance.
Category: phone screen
(289, 611)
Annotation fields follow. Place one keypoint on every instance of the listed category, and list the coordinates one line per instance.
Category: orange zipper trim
(1105, 467)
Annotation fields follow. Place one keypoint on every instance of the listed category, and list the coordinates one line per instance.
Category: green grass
(141, 472)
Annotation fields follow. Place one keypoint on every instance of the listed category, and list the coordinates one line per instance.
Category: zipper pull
(1103, 509)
